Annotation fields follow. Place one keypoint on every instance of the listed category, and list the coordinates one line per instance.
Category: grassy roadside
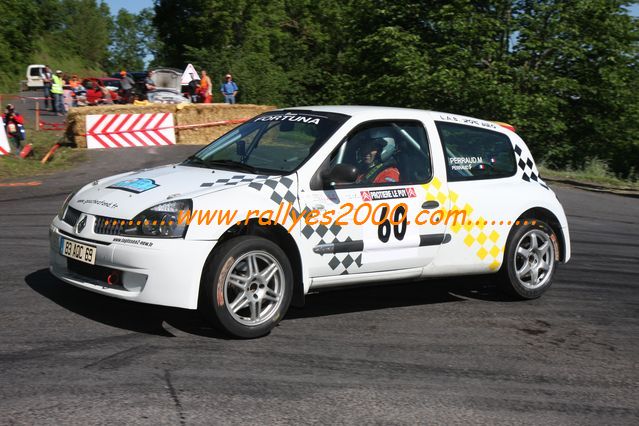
(595, 172)
(12, 167)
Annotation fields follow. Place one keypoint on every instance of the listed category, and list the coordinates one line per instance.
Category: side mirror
(240, 148)
(340, 173)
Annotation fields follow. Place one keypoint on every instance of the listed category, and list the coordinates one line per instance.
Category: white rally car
(302, 199)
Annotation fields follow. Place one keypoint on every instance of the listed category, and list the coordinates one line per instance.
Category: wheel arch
(548, 217)
(280, 236)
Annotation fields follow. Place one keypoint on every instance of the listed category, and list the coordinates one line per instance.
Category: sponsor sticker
(467, 120)
(290, 117)
(388, 194)
(137, 242)
(135, 185)
(98, 203)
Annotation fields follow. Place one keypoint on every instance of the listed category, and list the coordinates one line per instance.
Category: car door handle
(430, 204)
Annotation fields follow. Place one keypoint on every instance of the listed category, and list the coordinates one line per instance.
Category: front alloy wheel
(247, 286)
(253, 288)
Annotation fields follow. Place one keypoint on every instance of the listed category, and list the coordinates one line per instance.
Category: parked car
(349, 185)
(168, 87)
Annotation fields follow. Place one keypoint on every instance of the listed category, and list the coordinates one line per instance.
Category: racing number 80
(396, 221)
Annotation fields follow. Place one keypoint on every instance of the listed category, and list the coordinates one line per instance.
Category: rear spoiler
(506, 126)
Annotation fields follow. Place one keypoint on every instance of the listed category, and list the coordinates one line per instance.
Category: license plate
(82, 252)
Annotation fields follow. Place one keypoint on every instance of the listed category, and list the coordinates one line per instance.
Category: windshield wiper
(232, 164)
(194, 160)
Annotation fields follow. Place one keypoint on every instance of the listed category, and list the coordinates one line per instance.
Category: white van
(34, 80)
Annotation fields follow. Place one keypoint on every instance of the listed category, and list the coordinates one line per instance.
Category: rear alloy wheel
(530, 260)
(247, 287)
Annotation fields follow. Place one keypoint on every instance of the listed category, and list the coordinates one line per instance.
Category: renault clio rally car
(379, 194)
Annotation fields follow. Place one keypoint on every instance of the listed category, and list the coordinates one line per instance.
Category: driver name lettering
(464, 163)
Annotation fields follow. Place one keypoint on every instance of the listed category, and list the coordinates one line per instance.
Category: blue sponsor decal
(135, 185)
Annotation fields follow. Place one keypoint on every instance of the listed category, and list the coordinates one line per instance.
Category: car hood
(124, 196)
(165, 78)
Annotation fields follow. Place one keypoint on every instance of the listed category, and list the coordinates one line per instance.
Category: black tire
(228, 268)
(512, 276)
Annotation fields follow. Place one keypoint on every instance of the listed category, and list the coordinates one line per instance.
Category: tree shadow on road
(153, 319)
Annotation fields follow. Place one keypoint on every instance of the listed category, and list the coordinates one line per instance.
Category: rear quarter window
(473, 153)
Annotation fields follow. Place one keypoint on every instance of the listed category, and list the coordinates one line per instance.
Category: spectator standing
(57, 90)
(47, 77)
(206, 88)
(194, 89)
(149, 83)
(127, 85)
(14, 126)
(74, 83)
(80, 95)
(67, 92)
(229, 89)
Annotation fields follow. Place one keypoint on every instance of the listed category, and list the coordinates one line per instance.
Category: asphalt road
(449, 351)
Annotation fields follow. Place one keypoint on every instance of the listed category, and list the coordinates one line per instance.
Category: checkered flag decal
(235, 180)
(280, 189)
(528, 168)
(322, 234)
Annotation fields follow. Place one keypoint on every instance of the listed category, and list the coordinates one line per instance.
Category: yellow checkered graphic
(476, 235)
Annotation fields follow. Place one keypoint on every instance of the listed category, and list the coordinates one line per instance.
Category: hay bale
(189, 114)
(184, 114)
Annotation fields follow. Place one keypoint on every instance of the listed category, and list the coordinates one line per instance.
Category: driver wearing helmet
(371, 167)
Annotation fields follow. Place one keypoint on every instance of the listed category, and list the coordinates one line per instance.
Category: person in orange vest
(14, 126)
(74, 81)
(206, 88)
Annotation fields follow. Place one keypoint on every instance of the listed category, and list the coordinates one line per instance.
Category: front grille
(108, 225)
(71, 216)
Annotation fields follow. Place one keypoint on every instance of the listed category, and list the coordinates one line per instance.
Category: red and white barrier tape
(183, 127)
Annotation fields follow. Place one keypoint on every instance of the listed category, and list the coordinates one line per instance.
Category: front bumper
(166, 273)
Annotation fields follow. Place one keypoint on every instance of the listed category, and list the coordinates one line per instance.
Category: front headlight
(64, 206)
(159, 221)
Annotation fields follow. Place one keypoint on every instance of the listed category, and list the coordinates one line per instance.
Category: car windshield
(277, 142)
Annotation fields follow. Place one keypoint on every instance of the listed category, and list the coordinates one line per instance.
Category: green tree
(84, 31)
(132, 38)
(576, 65)
(18, 22)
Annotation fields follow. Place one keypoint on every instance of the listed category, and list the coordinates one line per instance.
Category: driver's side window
(382, 153)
